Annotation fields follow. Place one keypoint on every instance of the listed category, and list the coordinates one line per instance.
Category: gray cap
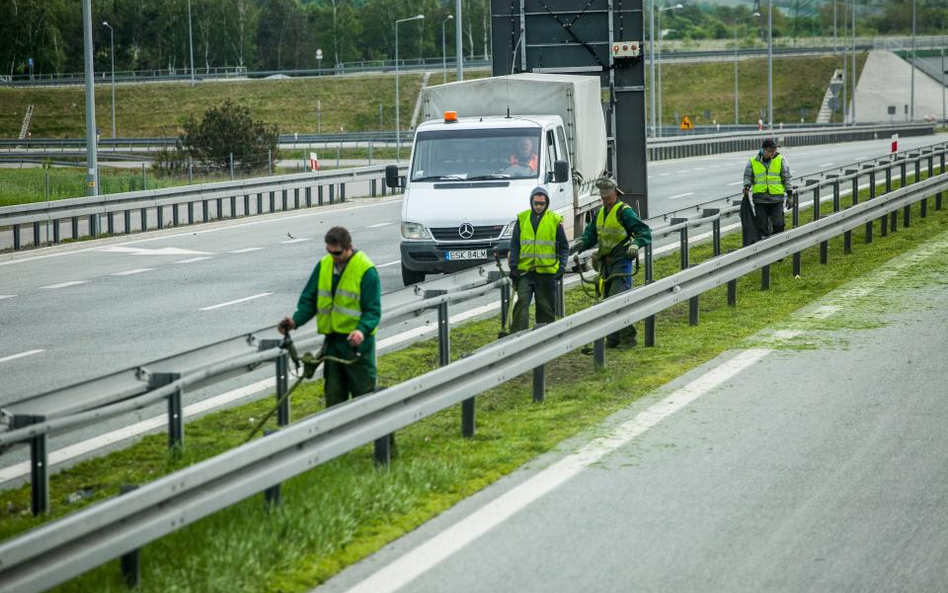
(606, 185)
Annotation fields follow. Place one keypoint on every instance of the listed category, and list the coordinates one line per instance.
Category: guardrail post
(175, 219)
(273, 201)
(384, 188)
(319, 195)
(283, 199)
(342, 192)
(219, 211)
(599, 353)
(75, 227)
(467, 418)
(559, 299)
(272, 496)
(504, 303)
(539, 384)
(836, 202)
(175, 409)
(39, 472)
(795, 222)
(233, 206)
(16, 236)
(161, 217)
(36, 234)
(282, 364)
(444, 328)
(56, 230)
(650, 320)
(143, 213)
(732, 293)
(684, 248)
(765, 278)
(332, 193)
(130, 562)
(205, 211)
(373, 187)
(296, 198)
(824, 245)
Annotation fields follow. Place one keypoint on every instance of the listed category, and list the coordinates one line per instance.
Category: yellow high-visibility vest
(538, 249)
(767, 179)
(339, 313)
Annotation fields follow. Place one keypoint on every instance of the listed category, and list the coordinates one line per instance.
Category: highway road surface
(73, 312)
(813, 460)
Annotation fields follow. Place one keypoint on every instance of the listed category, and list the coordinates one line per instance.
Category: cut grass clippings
(345, 509)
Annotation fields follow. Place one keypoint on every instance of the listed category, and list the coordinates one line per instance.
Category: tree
(229, 129)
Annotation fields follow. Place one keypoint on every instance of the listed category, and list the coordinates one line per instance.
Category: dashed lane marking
(191, 260)
(235, 302)
(20, 355)
(247, 250)
(131, 272)
(65, 284)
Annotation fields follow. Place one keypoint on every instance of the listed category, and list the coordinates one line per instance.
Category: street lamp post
(737, 103)
(398, 142)
(912, 102)
(444, 51)
(651, 59)
(191, 42)
(660, 11)
(112, 55)
(854, 64)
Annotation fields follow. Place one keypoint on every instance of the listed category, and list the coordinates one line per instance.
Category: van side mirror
(392, 179)
(560, 171)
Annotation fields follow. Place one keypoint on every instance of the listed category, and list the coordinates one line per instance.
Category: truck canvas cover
(576, 99)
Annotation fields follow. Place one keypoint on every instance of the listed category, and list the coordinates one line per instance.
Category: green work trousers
(343, 381)
(531, 284)
(614, 286)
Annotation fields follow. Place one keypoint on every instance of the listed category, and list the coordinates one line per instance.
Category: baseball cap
(769, 143)
(606, 185)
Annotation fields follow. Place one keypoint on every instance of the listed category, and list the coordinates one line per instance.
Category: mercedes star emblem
(466, 230)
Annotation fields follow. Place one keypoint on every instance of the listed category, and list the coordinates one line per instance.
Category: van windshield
(445, 155)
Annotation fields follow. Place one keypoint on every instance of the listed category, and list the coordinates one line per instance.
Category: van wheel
(410, 277)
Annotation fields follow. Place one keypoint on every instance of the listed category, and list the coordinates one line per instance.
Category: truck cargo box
(576, 99)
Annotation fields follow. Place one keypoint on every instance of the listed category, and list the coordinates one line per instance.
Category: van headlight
(508, 230)
(414, 231)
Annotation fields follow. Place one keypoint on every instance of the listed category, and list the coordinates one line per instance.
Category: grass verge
(342, 511)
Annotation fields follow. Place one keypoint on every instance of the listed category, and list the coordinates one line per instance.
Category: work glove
(514, 274)
(286, 325)
(559, 273)
(790, 200)
(747, 190)
(632, 251)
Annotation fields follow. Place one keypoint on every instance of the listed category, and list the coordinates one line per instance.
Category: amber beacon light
(450, 117)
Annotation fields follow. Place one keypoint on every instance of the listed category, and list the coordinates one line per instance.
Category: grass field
(344, 510)
(351, 103)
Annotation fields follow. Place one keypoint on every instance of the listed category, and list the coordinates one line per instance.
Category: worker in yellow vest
(767, 178)
(538, 252)
(619, 233)
(345, 295)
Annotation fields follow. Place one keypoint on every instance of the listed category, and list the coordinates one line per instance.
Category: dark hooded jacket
(562, 245)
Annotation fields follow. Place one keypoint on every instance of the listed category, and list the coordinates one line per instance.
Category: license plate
(465, 254)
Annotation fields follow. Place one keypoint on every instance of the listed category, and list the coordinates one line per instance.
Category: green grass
(799, 83)
(346, 509)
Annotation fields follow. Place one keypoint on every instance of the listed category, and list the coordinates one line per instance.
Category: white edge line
(235, 302)
(21, 355)
(296, 240)
(691, 193)
(378, 225)
(247, 250)
(7, 296)
(391, 263)
(130, 272)
(90, 445)
(191, 260)
(430, 553)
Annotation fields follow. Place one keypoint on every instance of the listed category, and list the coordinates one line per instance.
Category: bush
(229, 130)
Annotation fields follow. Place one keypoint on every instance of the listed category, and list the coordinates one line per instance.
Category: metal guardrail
(176, 205)
(682, 147)
(58, 551)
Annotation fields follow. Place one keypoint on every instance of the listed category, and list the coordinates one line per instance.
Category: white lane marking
(691, 193)
(289, 241)
(20, 355)
(6, 296)
(65, 284)
(216, 229)
(229, 303)
(247, 250)
(391, 263)
(380, 224)
(154, 423)
(144, 251)
(191, 260)
(826, 164)
(861, 158)
(421, 559)
(736, 183)
(130, 272)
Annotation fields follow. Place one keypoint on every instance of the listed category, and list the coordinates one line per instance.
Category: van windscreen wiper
(441, 178)
(489, 176)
